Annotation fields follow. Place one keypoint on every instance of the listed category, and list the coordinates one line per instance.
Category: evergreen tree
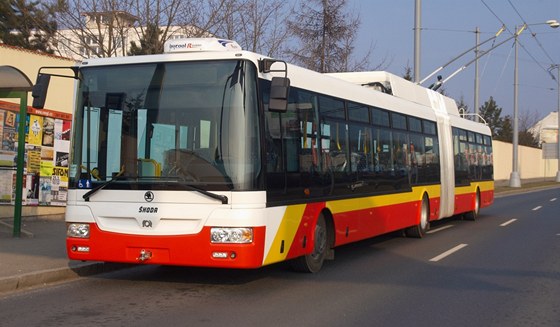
(150, 43)
(464, 107)
(527, 138)
(407, 73)
(491, 113)
(505, 133)
(28, 25)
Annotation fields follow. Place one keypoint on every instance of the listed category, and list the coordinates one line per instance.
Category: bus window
(360, 148)
(461, 156)
(380, 117)
(90, 143)
(488, 166)
(331, 107)
(382, 151)
(429, 127)
(431, 172)
(358, 112)
(401, 153)
(417, 158)
(113, 141)
(398, 121)
(415, 124)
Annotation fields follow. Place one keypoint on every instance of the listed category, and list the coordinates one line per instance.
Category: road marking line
(508, 222)
(448, 252)
(431, 231)
(537, 208)
(553, 199)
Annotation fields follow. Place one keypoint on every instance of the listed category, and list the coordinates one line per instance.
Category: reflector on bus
(200, 44)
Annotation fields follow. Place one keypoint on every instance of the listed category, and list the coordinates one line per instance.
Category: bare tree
(263, 26)
(528, 120)
(156, 14)
(257, 25)
(105, 28)
(326, 33)
(93, 28)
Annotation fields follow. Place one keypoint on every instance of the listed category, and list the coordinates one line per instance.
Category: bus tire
(472, 215)
(312, 263)
(418, 231)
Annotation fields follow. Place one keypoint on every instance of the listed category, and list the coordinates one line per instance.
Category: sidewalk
(39, 257)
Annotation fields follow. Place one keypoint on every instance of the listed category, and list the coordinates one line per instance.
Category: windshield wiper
(99, 187)
(224, 199)
(219, 197)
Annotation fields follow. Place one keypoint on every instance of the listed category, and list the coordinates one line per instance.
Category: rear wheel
(313, 262)
(472, 215)
(420, 230)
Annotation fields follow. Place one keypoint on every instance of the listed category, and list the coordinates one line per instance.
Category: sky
(448, 30)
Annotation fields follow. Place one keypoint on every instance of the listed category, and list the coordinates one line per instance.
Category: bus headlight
(239, 235)
(78, 230)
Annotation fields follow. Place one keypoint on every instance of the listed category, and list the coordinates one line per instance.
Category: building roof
(39, 53)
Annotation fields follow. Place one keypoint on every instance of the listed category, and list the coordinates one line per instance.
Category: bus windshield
(167, 125)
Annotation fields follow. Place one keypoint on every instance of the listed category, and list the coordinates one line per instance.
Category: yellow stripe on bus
(341, 206)
(286, 233)
(471, 189)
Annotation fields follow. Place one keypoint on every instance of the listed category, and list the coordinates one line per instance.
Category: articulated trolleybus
(211, 156)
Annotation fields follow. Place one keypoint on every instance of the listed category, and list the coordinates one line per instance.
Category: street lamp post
(515, 180)
(558, 119)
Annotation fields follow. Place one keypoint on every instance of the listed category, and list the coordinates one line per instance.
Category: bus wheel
(313, 262)
(419, 230)
(473, 214)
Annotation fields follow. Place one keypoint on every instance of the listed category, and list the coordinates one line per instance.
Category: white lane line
(553, 199)
(448, 252)
(431, 231)
(508, 222)
(537, 208)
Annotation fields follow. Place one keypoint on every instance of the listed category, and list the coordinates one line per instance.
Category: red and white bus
(198, 157)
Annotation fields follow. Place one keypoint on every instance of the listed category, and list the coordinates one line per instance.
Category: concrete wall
(61, 90)
(532, 166)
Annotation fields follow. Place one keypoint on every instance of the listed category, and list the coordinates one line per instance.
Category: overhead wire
(520, 43)
(538, 42)
(532, 33)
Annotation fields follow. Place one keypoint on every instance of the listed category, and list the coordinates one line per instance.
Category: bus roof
(398, 87)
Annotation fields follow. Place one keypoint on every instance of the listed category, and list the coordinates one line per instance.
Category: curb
(43, 277)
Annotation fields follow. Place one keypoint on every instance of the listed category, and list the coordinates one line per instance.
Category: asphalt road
(501, 270)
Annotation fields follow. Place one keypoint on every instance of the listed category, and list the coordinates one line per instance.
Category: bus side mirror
(279, 90)
(39, 92)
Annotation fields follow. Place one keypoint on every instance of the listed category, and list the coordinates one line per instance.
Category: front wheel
(313, 262)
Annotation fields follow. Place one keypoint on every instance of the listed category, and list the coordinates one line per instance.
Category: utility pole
(558, 119)
(417, 24)
(476, 80)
